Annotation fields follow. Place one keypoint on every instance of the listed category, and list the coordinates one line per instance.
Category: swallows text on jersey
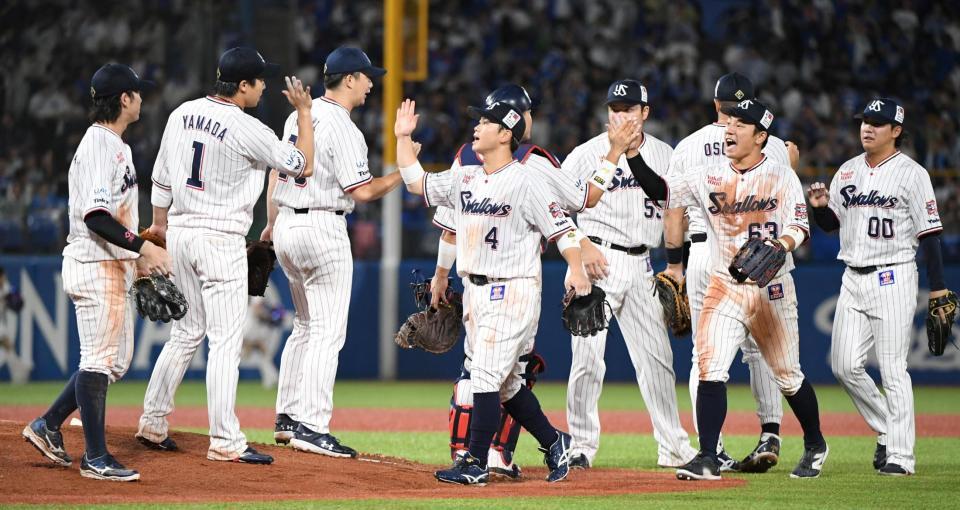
(873, 199)
(485, 207)
(749, 204)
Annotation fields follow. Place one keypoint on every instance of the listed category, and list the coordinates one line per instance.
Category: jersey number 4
(196, 173)
(491, 238)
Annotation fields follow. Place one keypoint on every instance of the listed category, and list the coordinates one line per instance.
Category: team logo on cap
(745, 104)
(767, 119)
(875, 106)
(739, 94)
(620, 89)
(899, 115)
(511, 119)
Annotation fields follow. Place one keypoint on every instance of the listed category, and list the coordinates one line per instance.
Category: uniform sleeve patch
(800, 212)
(932, 208)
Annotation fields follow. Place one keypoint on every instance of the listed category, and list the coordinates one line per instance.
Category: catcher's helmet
(514, 95)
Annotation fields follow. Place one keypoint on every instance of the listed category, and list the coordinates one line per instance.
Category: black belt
(306, 210)
(698, 238)
(479, 279)
(637, 250)
(868, 269)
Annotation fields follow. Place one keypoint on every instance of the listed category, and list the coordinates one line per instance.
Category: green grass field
(848, 480)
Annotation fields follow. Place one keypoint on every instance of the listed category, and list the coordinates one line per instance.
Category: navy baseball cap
(627, 91)
(114, 79)
(514, 95)
(239, 64)
(883, 110)
(346, 59)
(502, 113)
(733, 87)
(751, 111)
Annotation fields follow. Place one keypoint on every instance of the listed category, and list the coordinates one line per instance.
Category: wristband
(674, 255)
(795, 234)
(413, 173)
(604, 174)
(446, 254)
(568, 240)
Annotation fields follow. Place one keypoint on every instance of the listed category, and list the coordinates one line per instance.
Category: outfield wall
(46, 331)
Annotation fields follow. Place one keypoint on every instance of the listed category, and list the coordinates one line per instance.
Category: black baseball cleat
(466, 470)
(251, 456)
(879, 456)
(557, 457)
(764, 456)
(284, 428)
(811, 463)
(727, 463)
(105, 467)
(702, 467)
(580, 462)
(46, 441)
(893, 469)
(167, 445)
(307, 440)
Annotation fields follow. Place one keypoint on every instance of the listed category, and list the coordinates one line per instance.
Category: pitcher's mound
(187, 476)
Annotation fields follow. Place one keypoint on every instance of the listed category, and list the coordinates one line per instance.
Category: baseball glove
(586, 315)
(260, 262)
(758, 261)
(147, 235)
(938, 327)
(676, 307)
(158, 299)
(434, 330)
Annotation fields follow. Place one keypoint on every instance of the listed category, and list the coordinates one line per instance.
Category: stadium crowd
(815, 62)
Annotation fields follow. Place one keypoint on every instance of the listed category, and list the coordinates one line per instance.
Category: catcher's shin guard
(507, 434)
(461, 410)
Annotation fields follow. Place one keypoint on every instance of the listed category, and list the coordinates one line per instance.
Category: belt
(479, 279)
(868, 269)
(637, 250)
(306, 210)
(698, 238)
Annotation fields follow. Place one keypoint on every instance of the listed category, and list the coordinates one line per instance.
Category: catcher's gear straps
(461, 408)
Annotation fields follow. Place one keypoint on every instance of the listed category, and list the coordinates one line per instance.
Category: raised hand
(406, 118)
(623, 133)
(818, 195)
(297, 95)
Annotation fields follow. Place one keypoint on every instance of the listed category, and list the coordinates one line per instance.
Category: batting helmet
(514, 95)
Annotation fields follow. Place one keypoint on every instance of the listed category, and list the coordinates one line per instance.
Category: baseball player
(706, 147)
(313, 248)
(501, 210)
(99, 263)
(572, 196)
(261, 337)
(749, 197)
(883, 204)
(10, 305)
(626, 224)
(208, 175)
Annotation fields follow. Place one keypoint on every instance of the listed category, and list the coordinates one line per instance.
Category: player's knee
(789, 384)
(844, 369)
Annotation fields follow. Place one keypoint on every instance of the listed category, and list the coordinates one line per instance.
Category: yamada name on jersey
(205, 124)
(484, 207)
(750, 203)
(873, 199)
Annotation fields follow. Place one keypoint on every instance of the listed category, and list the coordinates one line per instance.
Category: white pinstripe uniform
(626, 217)
(738, 204)
(209, 171)
(500, 218)
(883, 211)
(97, 274)
(704, 147)
(571, 193)
(314, 252)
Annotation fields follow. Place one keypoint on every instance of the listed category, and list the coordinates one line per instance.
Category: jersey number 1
(197, 170)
